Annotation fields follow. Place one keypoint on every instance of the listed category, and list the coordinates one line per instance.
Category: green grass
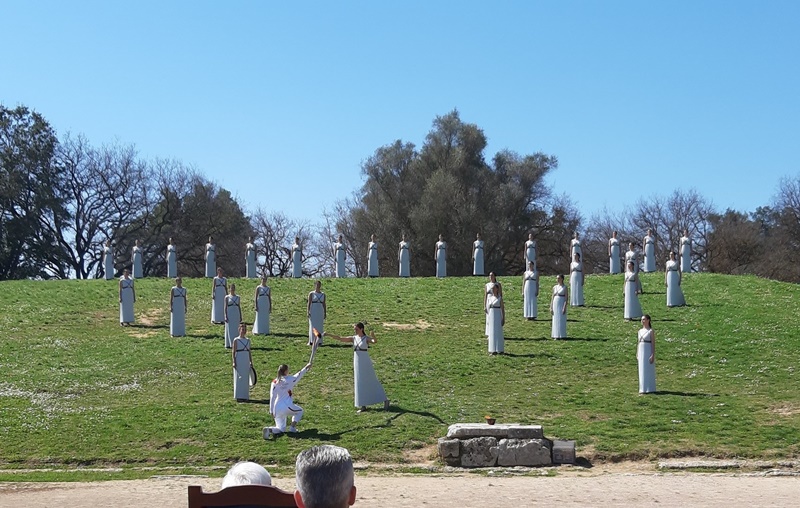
(77, 390)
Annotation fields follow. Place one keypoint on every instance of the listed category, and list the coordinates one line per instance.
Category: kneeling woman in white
(558, 309)
(242, 363)
(496, 318)
(368, 390)
(281, 404)
(646, 356)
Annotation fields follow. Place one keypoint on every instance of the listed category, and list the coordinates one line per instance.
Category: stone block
(563, 452)
(525, 432)
(479, 452)
(449, 447)
(523, 452)
(502, 431)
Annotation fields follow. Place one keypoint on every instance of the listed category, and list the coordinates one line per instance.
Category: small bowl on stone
(490, 420)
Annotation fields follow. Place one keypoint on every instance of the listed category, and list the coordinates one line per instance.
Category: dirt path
(576, 488)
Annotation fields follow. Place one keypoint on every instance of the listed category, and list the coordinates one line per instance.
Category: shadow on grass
(399, 411)
(205, 336)
(583, 462)
(255, 401)
(527, 355)
(684, 394)
(526, 338)
(142, 325)
(289, 335)
(264, 349)
(591, 339)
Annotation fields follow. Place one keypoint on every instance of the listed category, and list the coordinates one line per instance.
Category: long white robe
(632, 255)
(633, 309)
(136, 261)
(675, 296)
(558, 329)
(372, 259)
(297, 261)
(367, 389)
(218, 300)
(241, 374)
(441, 259)
(649, 254)
(126, 303)
(261, 322)
(686, 254)
(530, 252)
(250, 260)
(317, 318)
(177, 318)
(477, 257)
(233, 304)
(172, 262)
(211, 260)
(530, 286)
(576, 284)
(613, 258)
(575, 248)
(339, 259)
(495, 318)
(647, 370)
(488, 289)
(108, 262)
(404, 255)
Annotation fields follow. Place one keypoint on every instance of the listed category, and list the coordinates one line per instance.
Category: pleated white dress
(177, 318)
(633, 309)
(339, 260)
(261, 323)
(297, 262)
(404, 255)
(172, 262)
(441, 259)
(136, 261)
(108, 262)
(632, 255)
(368, 390)
(488, 289)
(576, 284)
(233, 304)
(675, 296)
(613, 259)
(126, 303)
(649, 254)
(218, 300)
(494, 317)
(686, 254)
(317, 318)
(559, 325)
(530, 252)
(575, 248)
(211, 260)
(241, 374)
(250, 260)
(647, 370)
(372, 259)
(530, 286)
(477, 257)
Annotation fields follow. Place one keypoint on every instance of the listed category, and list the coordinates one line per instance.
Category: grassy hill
(78, 390)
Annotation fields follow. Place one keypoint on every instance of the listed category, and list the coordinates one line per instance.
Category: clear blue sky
(279, 102)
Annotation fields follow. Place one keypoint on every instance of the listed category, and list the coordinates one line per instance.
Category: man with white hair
(324, 477)
(246, 473)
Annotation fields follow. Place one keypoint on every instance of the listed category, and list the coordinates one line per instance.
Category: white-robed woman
(530, 292)
(686, 252)
(404, 256)
(219, 289)
(108, 260)
(178, 307)
(633, 256)
(317, 309)
(127, 295)
(136, 261)
(558, 309)
(576, 280)
(614, 265)
(211, 257)
(372, 257)
(250, 258)
(530, 250)
(649, 243)
(672, 278)
(340, 257)
(263, 306)
(368, 390)
(646, 357)
(242, 363)
(496, 318)
(633, 309)
(281, 403)
(477, 255)
(233, 315)
(297, 259)
(575, 246)
(488, 291)
(440, 256)
(172, 260)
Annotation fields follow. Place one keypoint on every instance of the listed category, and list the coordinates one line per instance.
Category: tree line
(62, 199)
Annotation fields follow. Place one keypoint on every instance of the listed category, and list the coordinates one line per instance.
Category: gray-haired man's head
(324, 476)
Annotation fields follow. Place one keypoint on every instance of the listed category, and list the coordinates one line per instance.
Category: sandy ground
(574, 488)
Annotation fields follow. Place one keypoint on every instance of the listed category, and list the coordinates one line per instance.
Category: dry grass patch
(421, 324)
